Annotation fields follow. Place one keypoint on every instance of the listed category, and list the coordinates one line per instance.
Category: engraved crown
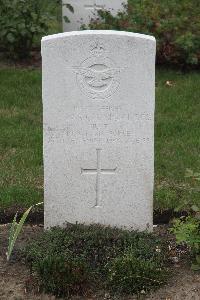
(97, 49)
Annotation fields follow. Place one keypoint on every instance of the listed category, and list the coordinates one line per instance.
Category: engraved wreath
(98, 76)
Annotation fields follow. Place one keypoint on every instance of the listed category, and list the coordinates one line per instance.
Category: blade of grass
(16, 229)
(11, 234)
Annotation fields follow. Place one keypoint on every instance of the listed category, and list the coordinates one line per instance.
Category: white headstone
(98, 101)
(84, 10)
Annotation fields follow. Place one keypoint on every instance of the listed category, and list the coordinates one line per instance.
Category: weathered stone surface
(84, 10)
(98, 101)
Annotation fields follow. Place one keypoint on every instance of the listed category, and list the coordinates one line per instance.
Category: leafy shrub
(21, 22)
(188, 230)
(175, 25)
(67, 260)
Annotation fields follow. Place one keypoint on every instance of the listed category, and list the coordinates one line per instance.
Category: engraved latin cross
(98, 172)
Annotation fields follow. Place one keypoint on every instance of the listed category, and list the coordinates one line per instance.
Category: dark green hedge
(23, 23)
(175, 25)
(68, 261)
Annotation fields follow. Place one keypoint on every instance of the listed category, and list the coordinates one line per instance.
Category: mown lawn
(21, 171)
(177, 137)
(177, 140)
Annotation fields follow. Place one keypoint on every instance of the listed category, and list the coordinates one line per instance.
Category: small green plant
(77, 257)
(187, 230)
(16, 229)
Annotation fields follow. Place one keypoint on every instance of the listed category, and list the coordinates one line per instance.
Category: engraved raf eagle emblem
(97, 78)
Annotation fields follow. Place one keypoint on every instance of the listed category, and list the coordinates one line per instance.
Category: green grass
(177, 139)
(21, 171)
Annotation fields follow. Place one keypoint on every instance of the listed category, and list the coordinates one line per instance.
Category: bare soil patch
(36, 215)
(16, 282)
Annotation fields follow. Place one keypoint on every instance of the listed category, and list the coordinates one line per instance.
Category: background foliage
(175, 25)
(22, 22)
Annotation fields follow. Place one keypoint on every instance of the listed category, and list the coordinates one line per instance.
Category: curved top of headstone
(97, 32)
